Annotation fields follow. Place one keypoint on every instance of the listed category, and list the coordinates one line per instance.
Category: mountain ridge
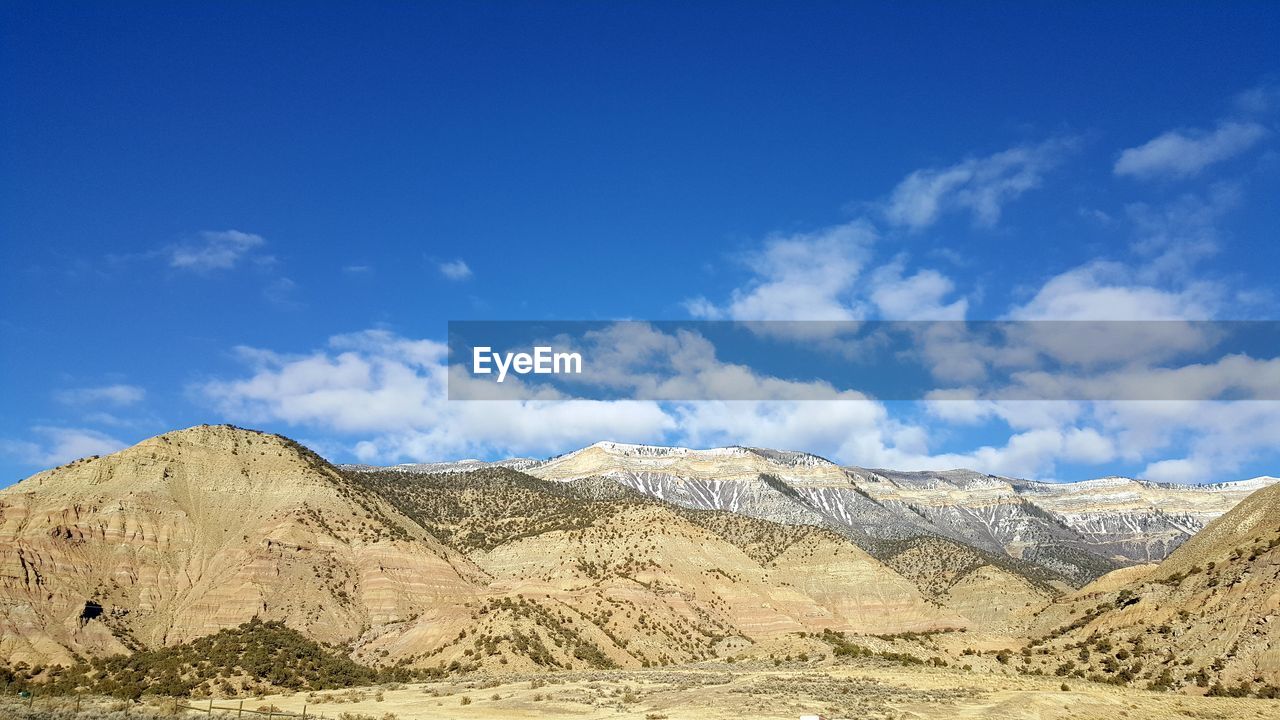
(619, 557)
(1077, 531)
(207, 528)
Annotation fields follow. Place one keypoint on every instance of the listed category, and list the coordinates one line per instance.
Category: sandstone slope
(1207, 618)
(627, 581)
(203, 529)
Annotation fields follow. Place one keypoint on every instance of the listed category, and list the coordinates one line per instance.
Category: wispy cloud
(1258, 100)
(216, 250)
(1175, 236)
(979, 186)
(1183, 153)
(59, 445)
(455, 270)
(282, 292)
(119, 395)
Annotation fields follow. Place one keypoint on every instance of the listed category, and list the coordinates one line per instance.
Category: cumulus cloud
(1193, 441)
(59, 445)
(979, 186)
(828, 275)
(1106, 290)
(455, 270)
(866, 434)
(804, 276)
(920, 296)
(637, 360)
(383, 396)
(1183, 153)
(391, 392)
(1171, 441)
(215, 250)
(119, 395)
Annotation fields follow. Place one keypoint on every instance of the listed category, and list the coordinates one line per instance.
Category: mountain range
(627, 556)
(1069, 533)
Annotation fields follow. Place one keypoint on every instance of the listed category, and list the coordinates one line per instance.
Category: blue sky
(266, 214)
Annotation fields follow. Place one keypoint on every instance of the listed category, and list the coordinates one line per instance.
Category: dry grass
(869, 690)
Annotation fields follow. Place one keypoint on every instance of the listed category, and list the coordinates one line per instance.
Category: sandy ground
(870, 691)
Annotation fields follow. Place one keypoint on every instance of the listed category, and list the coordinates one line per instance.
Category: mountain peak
(220, 436)
(246, 460)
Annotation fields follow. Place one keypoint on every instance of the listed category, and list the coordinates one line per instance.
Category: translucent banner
(881, 360)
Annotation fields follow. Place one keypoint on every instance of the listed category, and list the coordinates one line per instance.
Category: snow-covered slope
(1076, 531)
(468, 465)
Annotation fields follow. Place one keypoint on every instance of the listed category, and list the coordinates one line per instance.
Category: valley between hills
(633, 581)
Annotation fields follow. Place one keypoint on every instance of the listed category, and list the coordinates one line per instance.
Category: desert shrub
(256, 653)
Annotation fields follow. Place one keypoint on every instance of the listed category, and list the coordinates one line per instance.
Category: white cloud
(386, 395)
(215, 250)
(1105, 290)
(960, 407)
(119, 395)
(864, 433)
(1179, 441)
(640, 361)
(1194, 441)
(455, 270)
(980, 186)
(391, 392)
(838, 430)
(1183, 153)
(921, 296)
(1236, 376)
(805, 276)
(59, 445)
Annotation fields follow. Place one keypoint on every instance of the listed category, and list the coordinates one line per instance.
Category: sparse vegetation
(256, 655)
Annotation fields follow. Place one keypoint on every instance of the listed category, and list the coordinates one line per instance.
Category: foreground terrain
(864, 690)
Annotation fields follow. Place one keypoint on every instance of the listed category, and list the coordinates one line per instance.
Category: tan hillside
(866, 595)
(1116, 579)
(1206, 619)
(203, 529)
(633, 582)
(995, 599)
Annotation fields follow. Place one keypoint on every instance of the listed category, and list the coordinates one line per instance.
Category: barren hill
(1208, 617)
(204, 529)
(617, 578)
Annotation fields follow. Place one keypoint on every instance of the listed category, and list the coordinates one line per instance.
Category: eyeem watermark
(542, 361)
(690, 360)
